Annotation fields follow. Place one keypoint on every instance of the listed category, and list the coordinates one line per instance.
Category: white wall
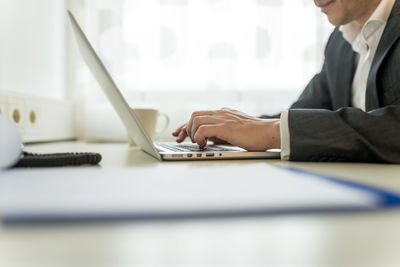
(32, 47)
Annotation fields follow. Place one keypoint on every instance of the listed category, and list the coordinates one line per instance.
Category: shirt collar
(377, 19)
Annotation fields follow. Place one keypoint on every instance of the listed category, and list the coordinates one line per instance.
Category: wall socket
(39, 119)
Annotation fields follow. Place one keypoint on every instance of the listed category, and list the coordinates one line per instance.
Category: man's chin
(335, 22)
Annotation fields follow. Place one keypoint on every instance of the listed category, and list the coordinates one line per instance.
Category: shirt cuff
(285, 136)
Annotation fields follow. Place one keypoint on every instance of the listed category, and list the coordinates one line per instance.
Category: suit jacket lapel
(389, 37)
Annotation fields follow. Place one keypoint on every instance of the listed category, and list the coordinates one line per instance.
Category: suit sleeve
(348, 134)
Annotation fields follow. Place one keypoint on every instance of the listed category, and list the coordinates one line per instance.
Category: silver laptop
(161, 151)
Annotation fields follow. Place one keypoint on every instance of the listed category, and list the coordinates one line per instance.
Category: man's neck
(370, 8)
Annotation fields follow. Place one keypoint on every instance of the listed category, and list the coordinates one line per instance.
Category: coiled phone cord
(57, 159)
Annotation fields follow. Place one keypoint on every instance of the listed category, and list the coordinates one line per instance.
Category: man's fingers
(218, 141)
(182, 136)
(178, 131)
(194, 115)
(202, 120)
(206, 131)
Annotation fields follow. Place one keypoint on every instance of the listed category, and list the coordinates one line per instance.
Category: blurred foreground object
(10, 143)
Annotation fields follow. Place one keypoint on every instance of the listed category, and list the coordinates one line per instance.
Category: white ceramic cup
(148, 118)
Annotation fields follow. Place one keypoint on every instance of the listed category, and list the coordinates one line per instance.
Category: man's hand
(233, 127)
(181, 135)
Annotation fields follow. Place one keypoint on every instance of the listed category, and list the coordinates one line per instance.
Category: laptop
(161, 151)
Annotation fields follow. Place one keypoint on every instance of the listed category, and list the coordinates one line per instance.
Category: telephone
(12, 155)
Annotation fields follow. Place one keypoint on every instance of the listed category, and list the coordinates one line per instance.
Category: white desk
(363, 239)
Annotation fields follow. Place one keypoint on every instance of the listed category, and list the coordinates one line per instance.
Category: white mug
(148, 118)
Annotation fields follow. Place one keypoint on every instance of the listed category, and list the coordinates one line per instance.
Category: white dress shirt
(364, 41)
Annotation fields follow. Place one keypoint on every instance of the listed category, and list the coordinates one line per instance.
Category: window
(184, 55)
(211, 45)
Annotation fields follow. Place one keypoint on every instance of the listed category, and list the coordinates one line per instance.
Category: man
(348, 112)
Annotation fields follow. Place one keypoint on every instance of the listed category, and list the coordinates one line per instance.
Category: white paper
(170, 190)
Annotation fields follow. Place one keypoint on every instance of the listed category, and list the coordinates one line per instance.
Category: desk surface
(362, 239)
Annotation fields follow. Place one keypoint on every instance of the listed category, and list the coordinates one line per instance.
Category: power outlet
(32, 114)
(16, 112)
(39, 119)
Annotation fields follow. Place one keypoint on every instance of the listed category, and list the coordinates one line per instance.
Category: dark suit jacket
(324, 127)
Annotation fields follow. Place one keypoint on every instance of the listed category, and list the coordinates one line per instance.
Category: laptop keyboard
(194, 148)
